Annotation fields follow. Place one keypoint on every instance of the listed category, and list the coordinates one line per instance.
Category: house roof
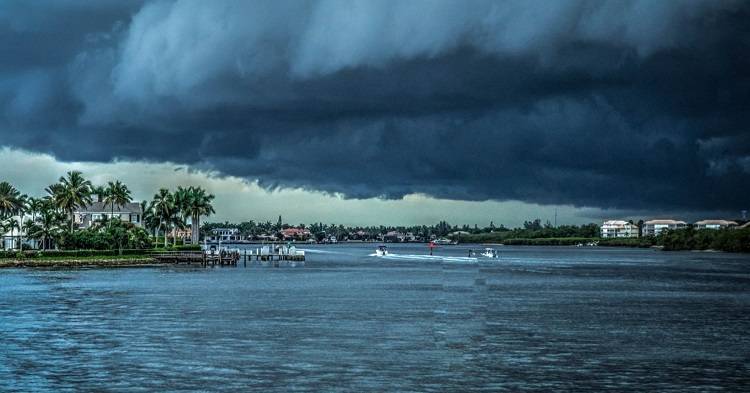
(665, 222)
(101, 207)
(617, 222)
(745, 225)
(294, 231)
(715, 222)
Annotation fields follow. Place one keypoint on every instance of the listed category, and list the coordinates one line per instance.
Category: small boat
(381, 251)
(489, 253)
(444, 242)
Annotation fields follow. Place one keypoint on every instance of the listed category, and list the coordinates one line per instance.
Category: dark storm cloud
(624, 104)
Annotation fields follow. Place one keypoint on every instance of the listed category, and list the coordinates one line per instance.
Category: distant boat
(381, 251)
(444, 242)
(489, 253)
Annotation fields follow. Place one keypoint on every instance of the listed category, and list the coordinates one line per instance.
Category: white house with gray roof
(129, 212)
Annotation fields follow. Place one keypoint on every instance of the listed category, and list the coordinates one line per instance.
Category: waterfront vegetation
(50, 220)
(731, 240)
(466, 234)
(641, 242)
(728, 239)
(532, 233)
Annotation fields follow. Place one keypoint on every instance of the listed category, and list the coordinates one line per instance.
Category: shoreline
(83, 262)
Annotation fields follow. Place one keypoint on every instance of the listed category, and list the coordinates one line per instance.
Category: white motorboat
(444, 242)
(381, 251)
(489, 253)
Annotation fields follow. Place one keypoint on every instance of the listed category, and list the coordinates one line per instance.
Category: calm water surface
(536, 319)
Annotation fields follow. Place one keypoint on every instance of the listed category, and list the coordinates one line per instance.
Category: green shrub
(554, 241)
(643, 242)
(731, 240)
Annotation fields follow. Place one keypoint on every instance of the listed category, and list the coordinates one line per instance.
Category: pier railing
(274, 257)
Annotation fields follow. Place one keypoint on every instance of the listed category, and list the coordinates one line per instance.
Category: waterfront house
(394, 237)
(225, 235)
(185, 233)
(618, 228)
(654, 227)
(86, 216)
(9, 240)
(744, 226)
(295, 234)
(715, 224)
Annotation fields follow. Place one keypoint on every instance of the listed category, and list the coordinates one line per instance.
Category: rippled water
(536, 319)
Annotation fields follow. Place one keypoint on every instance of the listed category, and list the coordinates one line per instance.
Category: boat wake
(315, 251)
(415, 257)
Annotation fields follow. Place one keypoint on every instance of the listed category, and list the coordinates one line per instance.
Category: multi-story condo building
(654, 227)
(715, 224)
(619, 228)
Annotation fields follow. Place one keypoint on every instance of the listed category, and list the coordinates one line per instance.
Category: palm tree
(176, 222)
(70, 193)
(100, 192)
(47, 225)
(117, 193)
(24, 208)
(11, 224)
(148, 218)
(181, 202)
(3, 229)
(35, 206)
(10, 200)
(163, 207)
(198, 204)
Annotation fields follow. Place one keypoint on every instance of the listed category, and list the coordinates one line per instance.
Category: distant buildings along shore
(628, 229)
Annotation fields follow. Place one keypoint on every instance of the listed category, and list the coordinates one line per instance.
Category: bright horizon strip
(240, 200)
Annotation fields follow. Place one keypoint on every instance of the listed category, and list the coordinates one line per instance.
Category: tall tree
(116, 194)
(47, 225)
(198, 205)
(12, 203)
(21, 212)
(71, 193)
(148, 218)
(35, 207)
(11, 224)
(164, 209)
(11, 200)
(182, 199)
(100, 192)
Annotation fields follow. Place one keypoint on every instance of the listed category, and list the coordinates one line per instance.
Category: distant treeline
(731, 240)
(548, 241)
(531, 230)
(572, 234)
(643, 242)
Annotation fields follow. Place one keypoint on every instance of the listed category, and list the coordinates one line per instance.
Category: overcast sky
(397, 112)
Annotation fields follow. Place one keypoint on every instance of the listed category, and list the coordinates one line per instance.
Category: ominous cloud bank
(622, 104)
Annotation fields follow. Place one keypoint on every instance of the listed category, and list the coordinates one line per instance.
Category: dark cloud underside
(631, 105)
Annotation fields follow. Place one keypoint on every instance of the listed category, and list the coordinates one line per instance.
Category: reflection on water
(535, 319)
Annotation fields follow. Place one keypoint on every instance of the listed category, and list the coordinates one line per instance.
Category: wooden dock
(232, 258)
